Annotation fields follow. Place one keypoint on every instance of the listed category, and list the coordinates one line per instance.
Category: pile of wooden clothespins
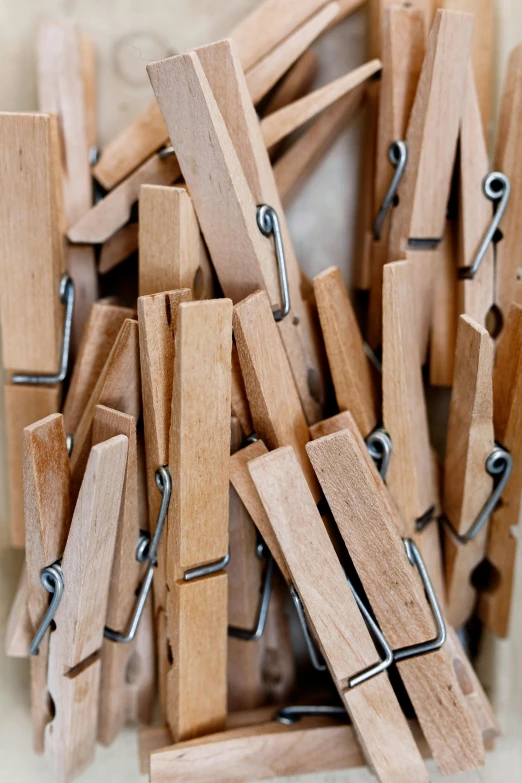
(241, 467)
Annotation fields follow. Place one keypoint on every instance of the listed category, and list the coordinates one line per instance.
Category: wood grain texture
(157, 320)
(467, 485)
(125, 580)
(334, 617)
(377, 12)
(296, 164)
(242, 482)
(508, 160)
(74, 664)
(23, 405)
(81, 266)
(403, 49)
(349, 366)
(279, 124)
(277, 414)
(31, 261)
(172, 252)
(197, 530)
(89, 78)
(118, 247)
(495, 603)
(476, 296)
(294, 84)
(19, 628)
(482, 50)
(267, 71)
(226, 80)
(443, 328)
(101, 331)
(239, 402)
(111, 213)
(61, 88)
(425, 187)
(118, 387)
(369, 525)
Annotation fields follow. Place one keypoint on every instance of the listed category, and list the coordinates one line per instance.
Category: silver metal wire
(398, 156)
(268, 223)
(206, 570)
(67, 298)
(258, 628)
(379, 447)
(52, 579)
(292, 714)
(497, 188)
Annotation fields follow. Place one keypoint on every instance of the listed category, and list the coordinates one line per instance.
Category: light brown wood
(443, 328)
(31, 255)
(245, 572)
(403, 48)
(74, 661)
(495, 603)
(61, 92)
(81, 267)
(482, 50)
(47, 512)
(19, 629)
(111, 213)
(101, 331)
(226, 115)
(239, 402)
(197, 530)
(296, 164)
(508, 160)
(241, 480)
(267, 71)
(88, 67)
(278, 125)
(368, 523)
(172, 252)
(294, 84)
(140, 674)
(157, 319)
(118, 387)
(410, 476)
(23, 405)
(349, 366)
(333, 615)
(126, 575)
(223, 70)
(476, 296)
(118, 247)
(424, 190)
(277, 414)
(467, 485)
(377, 12)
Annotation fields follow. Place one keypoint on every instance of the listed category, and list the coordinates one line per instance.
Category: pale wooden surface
(116, 32)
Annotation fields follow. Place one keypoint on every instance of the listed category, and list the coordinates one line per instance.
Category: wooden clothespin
(469, 683)
(296, 83)
(172, 252)
(157, 319)
(35, 349)
(240, 406)
(277, 414)
(467, 482)
(403, 48)
(418, 220)
(404, 604)
(210, 82)
(411, 475)
(349, 365)
(118, 247)
(279, 124)
(333, 614)
(495, 602)
(261, 665)
(63, 90)
(117, 387)
(197, 529)
(47, 519)
(121, 690)
(19, 629)
(260, 34)
(74, 646)
(300, 159)
(508, 162)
